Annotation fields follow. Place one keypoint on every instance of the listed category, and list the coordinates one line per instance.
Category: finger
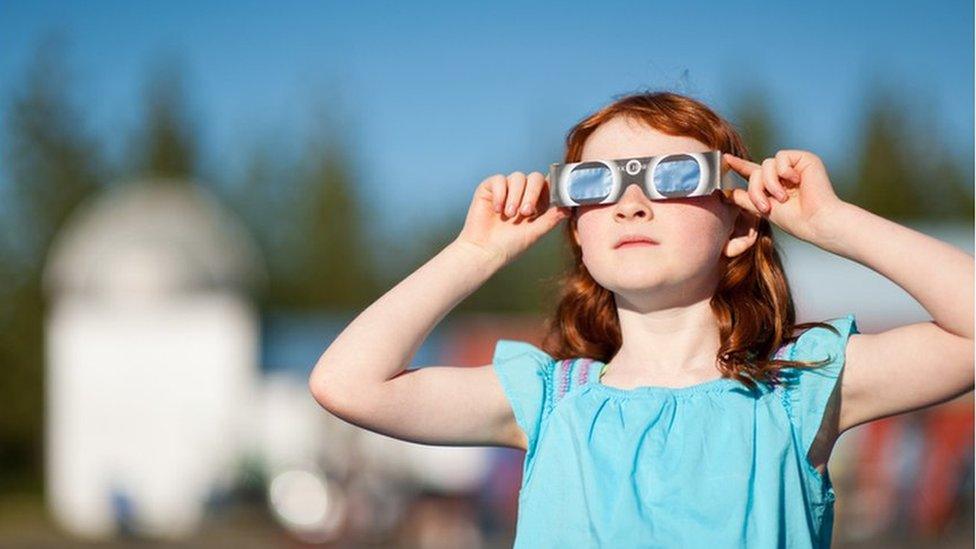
(516, 184)
(530, 198)
(549, 219)
(800, 159)
(785, 168)
(771, 180)
(497, 184)
(741, 165)
(742, 199)
(756, 191)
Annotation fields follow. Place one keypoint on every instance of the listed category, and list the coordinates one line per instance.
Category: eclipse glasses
(674, 175)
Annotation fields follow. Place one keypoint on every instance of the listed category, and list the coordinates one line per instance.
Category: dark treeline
(305, 210)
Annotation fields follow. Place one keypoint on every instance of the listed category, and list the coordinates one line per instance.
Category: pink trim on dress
(564, 377)
(584, 373)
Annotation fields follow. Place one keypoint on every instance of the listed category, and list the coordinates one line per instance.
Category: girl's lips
(636, 243)
(633, 239)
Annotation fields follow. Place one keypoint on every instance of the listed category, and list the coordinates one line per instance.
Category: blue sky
(435, 97)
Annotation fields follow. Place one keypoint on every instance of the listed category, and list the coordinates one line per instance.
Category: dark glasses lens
(677, 175)
(589, 181)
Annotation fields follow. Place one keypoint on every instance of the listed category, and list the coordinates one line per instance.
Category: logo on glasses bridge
(633, 166)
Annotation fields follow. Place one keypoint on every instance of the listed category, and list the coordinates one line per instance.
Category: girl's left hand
(804, 197)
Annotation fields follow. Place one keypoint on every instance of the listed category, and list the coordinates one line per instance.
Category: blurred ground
(24, 523)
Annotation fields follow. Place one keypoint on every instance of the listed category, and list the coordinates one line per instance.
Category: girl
(672, 403)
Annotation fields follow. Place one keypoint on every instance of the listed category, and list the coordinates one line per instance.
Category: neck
(669, 346)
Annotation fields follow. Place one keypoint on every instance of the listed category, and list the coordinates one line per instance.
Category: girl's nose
(634, 203)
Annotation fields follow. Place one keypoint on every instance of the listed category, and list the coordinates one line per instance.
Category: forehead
(622, 137)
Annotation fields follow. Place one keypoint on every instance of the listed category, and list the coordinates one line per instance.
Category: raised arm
(362, 377)
(915, 365)
(902, 369)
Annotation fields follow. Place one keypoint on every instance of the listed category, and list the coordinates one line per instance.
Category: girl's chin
(634, 284)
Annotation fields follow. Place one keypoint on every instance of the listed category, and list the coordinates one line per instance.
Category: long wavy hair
(752, 302)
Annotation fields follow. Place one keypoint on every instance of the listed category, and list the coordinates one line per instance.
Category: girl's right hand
(508, 214)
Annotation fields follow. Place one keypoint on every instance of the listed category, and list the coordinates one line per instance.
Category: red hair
(752, 302)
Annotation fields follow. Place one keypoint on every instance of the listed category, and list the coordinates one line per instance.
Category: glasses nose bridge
(635, 182)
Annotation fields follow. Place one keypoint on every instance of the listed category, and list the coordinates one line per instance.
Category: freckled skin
(693, 233)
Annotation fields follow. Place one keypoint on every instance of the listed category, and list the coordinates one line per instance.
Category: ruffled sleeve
(811, 388)
(525, 372)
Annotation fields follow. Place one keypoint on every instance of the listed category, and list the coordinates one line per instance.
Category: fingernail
(526, 210)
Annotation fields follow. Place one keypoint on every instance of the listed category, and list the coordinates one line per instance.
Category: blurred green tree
(51, 164)
(904, 170)
(166, 146)
(306, 212)
(331, 257)
(262, 198)
(751, 116)
(323, 258)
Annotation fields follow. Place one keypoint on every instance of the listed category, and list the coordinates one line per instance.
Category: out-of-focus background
(197, 197)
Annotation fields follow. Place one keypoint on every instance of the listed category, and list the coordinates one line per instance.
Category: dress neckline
(717, 384)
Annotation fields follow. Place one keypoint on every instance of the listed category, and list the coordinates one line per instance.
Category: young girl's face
(692, 234)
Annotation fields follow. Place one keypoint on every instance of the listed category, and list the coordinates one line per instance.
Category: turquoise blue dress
(712, 465)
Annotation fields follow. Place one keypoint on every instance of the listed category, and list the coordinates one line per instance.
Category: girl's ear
(745, 231)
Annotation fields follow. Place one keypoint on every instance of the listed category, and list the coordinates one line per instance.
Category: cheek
(697, 238)
(592, 232)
